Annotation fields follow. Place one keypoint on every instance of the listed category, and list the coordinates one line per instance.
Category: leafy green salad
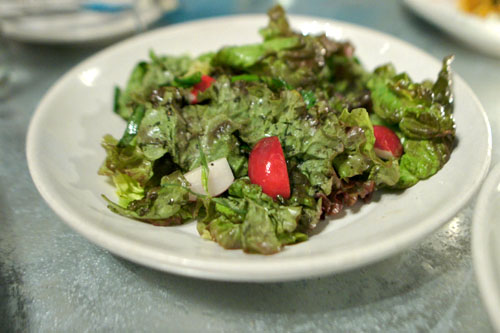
(258, 143)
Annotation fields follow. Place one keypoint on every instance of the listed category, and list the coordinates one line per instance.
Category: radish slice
(220, 177)
(387, 143)
(204, 84)
(267, 167)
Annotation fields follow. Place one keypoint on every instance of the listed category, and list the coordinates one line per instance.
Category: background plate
(64, 154)
(482, 34)
(486, 244)
(85, 26)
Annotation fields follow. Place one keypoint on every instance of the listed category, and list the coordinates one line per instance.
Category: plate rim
(174, 264)
(483, 260)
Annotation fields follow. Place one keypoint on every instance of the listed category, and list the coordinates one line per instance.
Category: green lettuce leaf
(160, 71)
(252, 111)
(127, 189)
(278, 24)
(163, 130)
(130, 161)
(422, 159)
(421, 114)
(359, 155)
(245, 56)
(252, 221)
(421, 110)
(165, 205)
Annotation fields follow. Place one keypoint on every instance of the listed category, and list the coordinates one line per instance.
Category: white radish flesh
(220, 177)
(383, 154)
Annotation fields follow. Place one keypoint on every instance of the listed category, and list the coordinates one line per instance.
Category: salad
(258, 143)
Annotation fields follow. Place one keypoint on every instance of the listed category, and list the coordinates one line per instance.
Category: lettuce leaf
(421, 110)
(359, 155)
(127, 189)
(130, 161)
(252, 221)
(165, 205)
(422, 159)
(160, 71)
(422, 115)
(243, 57)
(278, 24)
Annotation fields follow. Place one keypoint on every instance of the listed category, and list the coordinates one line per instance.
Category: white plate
(85, 26)
(482, 34)
(64, 153)
(486, 244)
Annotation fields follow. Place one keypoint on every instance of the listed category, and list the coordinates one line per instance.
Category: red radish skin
(267, 168)
(204, 84)
(387, 144)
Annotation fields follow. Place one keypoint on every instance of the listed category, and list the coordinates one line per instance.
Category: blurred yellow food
(481, 7)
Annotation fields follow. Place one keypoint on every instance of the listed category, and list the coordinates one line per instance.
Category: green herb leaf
(204, 168)
(245, 77)
(309, 98)
(116, 100)
(132, 126)
(188, 81)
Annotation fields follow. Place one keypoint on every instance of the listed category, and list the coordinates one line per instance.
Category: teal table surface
(52, 279)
